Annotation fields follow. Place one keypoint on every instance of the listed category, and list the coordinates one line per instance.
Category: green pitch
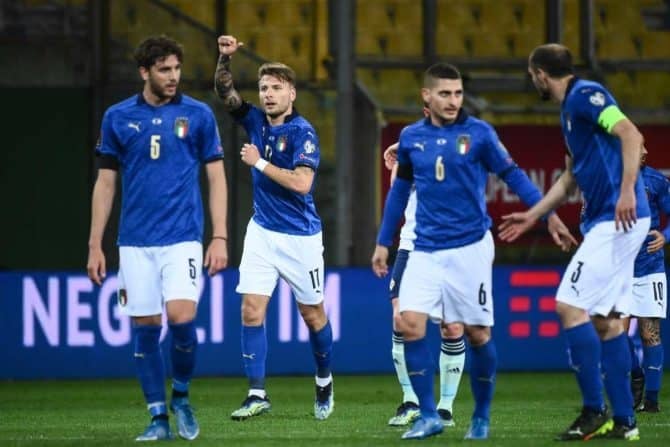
(528, 410)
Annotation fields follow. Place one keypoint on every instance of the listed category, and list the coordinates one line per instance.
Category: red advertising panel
(540, 151)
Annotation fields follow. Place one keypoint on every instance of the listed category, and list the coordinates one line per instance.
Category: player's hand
(657, 243)
(625, 214)
(379, 261)
(228, 45)
(560, 233)
(216, 256)
(514, 225)
(96, 265)
(249, 154)
(391, 156)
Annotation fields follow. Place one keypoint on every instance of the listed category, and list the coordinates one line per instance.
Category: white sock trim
(257, 393)
(323, 381)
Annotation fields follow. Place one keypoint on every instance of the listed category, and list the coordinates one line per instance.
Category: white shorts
(268, 255)
(649, 296)
(599, 278)
(452, 285)
(149, 276)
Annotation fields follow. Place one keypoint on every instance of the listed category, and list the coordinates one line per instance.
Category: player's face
(540, 81)
(276, 96)
(444, 99)
(162, 78)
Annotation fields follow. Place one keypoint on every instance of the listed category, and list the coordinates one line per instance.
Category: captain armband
(609, 117)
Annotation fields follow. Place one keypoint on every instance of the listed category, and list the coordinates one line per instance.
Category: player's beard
(276, 113)
(159, 91)
(544, 93)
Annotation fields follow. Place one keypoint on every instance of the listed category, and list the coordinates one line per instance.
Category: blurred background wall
(359, 63)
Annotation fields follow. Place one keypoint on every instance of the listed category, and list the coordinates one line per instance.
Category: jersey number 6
(439, 169)
(155, 151)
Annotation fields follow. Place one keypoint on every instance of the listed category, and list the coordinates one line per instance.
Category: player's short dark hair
(552, 58)
(278, 70)
(157, 48)
(440, 70)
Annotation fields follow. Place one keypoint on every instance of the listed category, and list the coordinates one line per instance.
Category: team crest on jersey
(281, 143)
(123, 297)
(597, 99)
(181, 126)
(463, 143)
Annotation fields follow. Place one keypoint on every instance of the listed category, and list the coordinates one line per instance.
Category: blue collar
(568, 89)
(293, 115)
(460, 119)
(176, 99)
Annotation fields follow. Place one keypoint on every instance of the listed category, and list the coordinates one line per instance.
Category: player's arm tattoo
(299, 171)
(223, 84)
(650, 331)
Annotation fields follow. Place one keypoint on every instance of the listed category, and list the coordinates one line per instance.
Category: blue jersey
(658, 193)
(450, 166)
(286, 146)
(159, 151)
(596, 154)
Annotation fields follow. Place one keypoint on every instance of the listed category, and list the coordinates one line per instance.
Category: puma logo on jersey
(135, 126)
(248, 356)
(419, 145)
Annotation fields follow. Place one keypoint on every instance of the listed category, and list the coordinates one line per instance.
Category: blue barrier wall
(58, 325)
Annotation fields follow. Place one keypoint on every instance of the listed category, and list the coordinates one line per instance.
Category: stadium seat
(617, 45)
(204, 11)
(655, 45)
(397, 44)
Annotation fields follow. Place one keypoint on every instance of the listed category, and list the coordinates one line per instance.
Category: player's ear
(425, 95)
(144, 73)
(293, 93)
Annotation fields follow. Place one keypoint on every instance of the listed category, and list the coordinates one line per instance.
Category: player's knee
(478, 335)
(571, 316)
(314, 316)
(608, 327)
(451, 330)
(252, 314)
(412, 328)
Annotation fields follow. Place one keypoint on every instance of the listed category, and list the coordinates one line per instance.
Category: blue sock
(183, 352)
(150, 367)
(322, 347)
(616, 372)
(653, 371)
(585, 353)
(421, 371)
(483, 377)
(635, 368)
(254, 352)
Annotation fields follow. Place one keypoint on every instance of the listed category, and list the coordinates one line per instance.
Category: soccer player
(603, 160)
(283, 237)
(157, 140)
(447, 156)
(452, 349)
(649, 294)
